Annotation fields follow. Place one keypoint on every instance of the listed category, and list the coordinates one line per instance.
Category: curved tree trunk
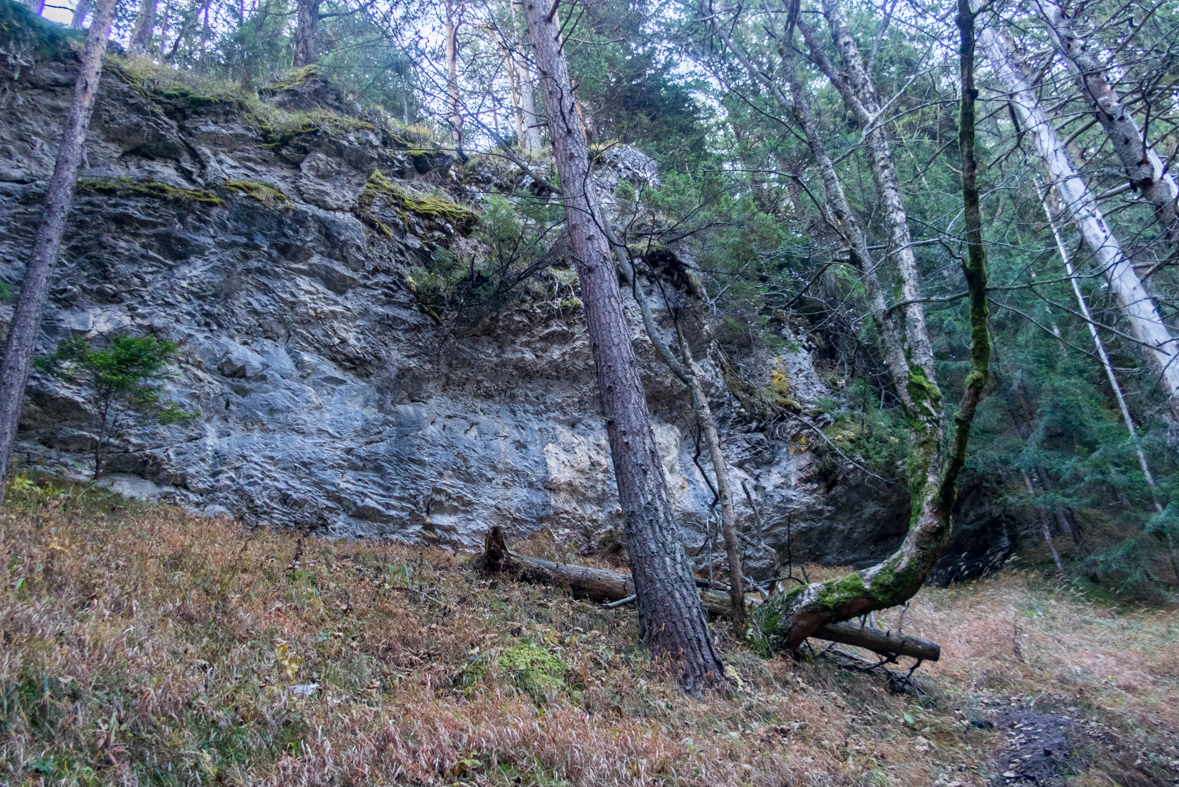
(791, 617)
(145, 25)
(671, 620)
(1143, 166)
(34, 289)
(306, 33)
(1146, 325)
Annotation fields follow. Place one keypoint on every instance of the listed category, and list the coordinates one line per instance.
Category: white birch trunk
(1143, 166)
(1146, 325)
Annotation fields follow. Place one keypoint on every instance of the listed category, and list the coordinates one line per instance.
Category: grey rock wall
(330, 401)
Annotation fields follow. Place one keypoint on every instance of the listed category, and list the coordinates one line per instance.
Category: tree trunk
(81, 11)
(1145, 324)
(789, 618)
(671, 620)
(531, 139)
(1042, 520)
(605, 586)
(514, 91)
(454, 18)
(689, 375)
(306, 33)
(1143, 166)
(145, 24)
(30, 306)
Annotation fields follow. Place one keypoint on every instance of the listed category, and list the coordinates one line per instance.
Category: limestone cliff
(277, 255)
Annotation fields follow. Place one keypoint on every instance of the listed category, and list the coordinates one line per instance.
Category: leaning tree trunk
(145, 24)
(30, 306)
(306, 33)
(791, 617)
(1146, 325)
(1127, 418)
(1143, 166)
(671, 620)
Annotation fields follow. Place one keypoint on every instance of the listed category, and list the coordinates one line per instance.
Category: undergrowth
(145, 645)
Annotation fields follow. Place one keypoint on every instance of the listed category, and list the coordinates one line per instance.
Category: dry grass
(142, 645)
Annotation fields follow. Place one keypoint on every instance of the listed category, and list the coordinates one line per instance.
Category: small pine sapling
(123, 382)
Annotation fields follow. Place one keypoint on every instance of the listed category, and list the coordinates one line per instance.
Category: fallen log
(603, 586)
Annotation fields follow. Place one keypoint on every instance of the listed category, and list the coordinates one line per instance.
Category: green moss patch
(536, 671)
(263, 192)
(148, 188)
(428, 207)
(295, 78)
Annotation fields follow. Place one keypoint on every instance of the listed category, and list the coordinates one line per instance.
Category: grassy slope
(140, 645)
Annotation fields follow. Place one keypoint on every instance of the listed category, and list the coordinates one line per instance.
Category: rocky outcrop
(331, 399)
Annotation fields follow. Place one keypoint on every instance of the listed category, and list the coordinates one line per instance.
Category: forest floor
(143, 645)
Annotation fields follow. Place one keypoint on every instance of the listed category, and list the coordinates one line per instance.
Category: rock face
(331, 399)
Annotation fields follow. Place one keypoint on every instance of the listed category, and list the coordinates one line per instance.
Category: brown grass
(141, 645)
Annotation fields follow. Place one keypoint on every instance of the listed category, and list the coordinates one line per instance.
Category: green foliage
(6, 291)
(123, 382)
(875, 437)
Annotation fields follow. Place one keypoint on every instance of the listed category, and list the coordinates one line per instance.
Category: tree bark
(145, 24)
(34, 289)
(671, 620)
(1143, 166)
(306, 33)
(454, 18)
(689, 375)
(81, 11)
(1146, 325)
(605, 586)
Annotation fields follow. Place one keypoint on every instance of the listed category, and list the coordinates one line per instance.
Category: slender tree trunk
(514, 90)
(81, 11)
(1146, 325)
(30, 306)
(1044, 529)
(1143, 166)
(306, 33)
(530, 141)
(1127, 418)
(454, 19)
(185, 29)
(145, 25)
(689, 375)
(671, 619)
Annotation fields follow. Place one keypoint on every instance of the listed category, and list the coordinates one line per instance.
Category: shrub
(121, 381)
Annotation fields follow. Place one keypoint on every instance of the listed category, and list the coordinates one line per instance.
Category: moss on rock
(263, 192)
(536, 671)
(148, 188)
(427, 207)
